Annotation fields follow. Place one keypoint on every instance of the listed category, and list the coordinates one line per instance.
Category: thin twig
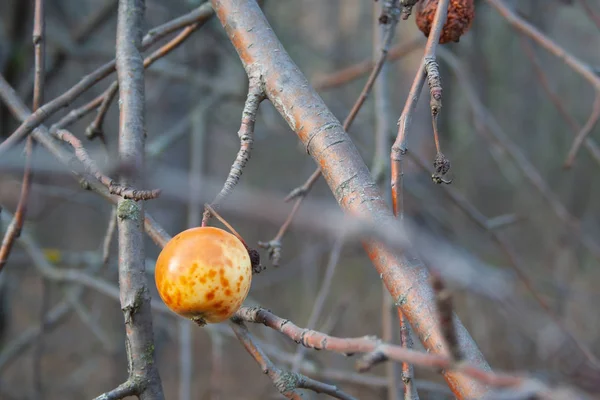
(95, 129)
(299, 193)
(529, 30)
(589, 143)
(319, 303)
(78, 276)
(584, 132)
(47, 110)
(134, 293)
(110, 232)
(112, 186)
(42, 135)
(594, 17)
(255, 96)
(499, 136)
(38, 352)
(370, 345)
(399, 148)
(353, 72)
(515, 262)
(79, 35)
(443, 300)
(16, 224)
(286, 383)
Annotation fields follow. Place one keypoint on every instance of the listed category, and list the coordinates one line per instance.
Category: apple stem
(216, 214)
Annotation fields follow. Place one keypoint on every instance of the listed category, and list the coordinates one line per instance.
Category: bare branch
(90, 165)
(375, 350)
(590, 144)
(126, 389)
(48, 109)
(133, 282)
(529, 30)
(95, 129)
(584, 132)
(16, 224)
(499, 136)
(41, 135)
(286, 383)
(255, 96)
(299, 193)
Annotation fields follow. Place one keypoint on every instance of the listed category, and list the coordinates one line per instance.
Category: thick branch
(345, 173)
(135, 296)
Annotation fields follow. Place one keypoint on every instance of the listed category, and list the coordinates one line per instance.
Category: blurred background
(511, 112)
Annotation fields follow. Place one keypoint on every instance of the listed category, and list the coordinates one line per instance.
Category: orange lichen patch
(458, 22)
(187, 268)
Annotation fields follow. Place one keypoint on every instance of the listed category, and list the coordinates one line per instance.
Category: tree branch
(285, 382)
(135, 296)
(346, 174)
(48, 109)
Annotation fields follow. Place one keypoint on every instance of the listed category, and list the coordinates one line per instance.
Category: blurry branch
(48, 109)
(574, 63)
(515, 262)
(312, 369)
(594, 17)
(589, 143)
(398, 150)
(584, 132)
(500, 137)
(319, 303)
(41, 135)
(348, 74)
(256, 95)
(529, 30)
(445, 310)
(400, 378)
(197, 130)
(96, 127)
(286, 383)
(299, 194)
(161, 143)
(103, 101)
(80, 34)
(128, 388)
(377, 351)
(113, 187)
(16, 224)
(49, 271)
(108, 237)
(135, 296)
(381, 102)
(516, 154)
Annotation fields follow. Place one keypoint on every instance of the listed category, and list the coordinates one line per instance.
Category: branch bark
(135, 296)
(345, 173)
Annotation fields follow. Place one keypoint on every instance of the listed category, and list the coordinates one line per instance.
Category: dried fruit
(204, 274)
(460, 17)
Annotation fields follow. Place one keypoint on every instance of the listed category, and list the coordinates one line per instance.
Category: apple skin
(204, 274)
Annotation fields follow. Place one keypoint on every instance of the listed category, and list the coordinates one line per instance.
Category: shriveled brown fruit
(460, 18)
